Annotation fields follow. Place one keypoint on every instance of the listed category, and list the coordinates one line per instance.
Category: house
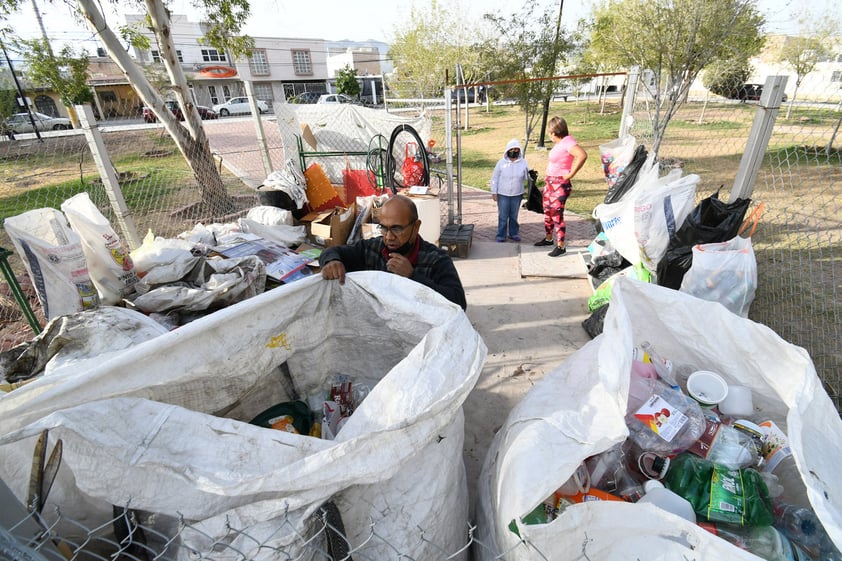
(278, 67)
(370, 60)
(114, 96)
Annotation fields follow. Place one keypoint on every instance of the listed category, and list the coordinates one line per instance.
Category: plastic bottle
(663, 367)
(763, 541)
(661, 419)
(779, 461)
(660, 496)
(726, 445)
(718, 494)
(802, 526)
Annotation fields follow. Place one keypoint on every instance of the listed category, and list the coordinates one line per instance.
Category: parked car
(204, 112)
(306, 97)
(239, 106)
(751, 92)
(337, 98)
(20, 122)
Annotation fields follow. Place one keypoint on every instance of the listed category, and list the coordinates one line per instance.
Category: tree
(529, 50)
(66, 74)
(803, 52)
(726, 77)
(346, 82)
(223, 20)
(430, 45)
(675, 40)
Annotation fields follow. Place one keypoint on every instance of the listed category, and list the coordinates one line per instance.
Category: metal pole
(758, 139)
(17, 292)
(628, 102)
(108, 175)
(258, 126)
(20, 91)
(448, 150)
(458, 152)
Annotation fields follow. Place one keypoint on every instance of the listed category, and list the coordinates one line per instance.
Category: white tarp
(140, 428)
(344, 128)
(577, 411)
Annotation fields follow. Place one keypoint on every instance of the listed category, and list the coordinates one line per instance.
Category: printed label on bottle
(702, 447)
(775, 447)
(727, 498)
(661, 418)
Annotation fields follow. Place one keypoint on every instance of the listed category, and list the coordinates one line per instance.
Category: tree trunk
(192, 143)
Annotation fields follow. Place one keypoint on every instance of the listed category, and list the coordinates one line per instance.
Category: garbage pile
(697, 449)
(652, 230)
(682, 431)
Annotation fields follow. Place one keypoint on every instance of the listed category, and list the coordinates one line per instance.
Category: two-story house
(278, 67)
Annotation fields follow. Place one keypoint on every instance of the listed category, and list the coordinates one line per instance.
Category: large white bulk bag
(578, 411)
(146, 428)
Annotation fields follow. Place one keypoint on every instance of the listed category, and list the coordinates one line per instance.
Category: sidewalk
(528, 308)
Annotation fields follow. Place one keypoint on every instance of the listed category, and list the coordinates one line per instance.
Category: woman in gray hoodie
(507, 183)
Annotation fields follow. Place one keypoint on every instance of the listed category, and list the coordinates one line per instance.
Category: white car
(337, 98)
(239, 106)
(20, 122)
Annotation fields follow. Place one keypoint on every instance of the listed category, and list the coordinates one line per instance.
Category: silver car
(20, 122)
(239, 106)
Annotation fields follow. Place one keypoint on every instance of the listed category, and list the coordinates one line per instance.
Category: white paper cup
(706, 387)
(738, 402)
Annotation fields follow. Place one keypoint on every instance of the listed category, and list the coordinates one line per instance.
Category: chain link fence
(797, 242)
(132, 535)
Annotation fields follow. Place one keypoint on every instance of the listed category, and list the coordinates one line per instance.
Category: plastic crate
(456, 239)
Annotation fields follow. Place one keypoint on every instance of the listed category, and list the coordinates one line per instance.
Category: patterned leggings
(555, 195)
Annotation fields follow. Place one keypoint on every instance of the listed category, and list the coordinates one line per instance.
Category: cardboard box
(332, 227)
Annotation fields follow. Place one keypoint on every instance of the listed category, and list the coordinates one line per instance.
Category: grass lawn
(483, 144)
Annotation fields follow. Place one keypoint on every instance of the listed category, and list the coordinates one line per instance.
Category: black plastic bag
(627, 177)
(594, 323)
(712, 221)
(534, 198)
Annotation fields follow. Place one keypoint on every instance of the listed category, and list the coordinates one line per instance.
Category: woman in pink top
(565, 160)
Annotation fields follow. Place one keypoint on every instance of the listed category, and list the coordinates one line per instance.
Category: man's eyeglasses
(394, 230)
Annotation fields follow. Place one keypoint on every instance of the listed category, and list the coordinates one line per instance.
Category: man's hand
(399, 265)
(334, 270)
(494, 197)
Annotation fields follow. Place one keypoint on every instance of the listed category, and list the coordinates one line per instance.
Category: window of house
(213, 97)
(212, 55)
(836, 76)
(259, 63)
(226, 91)
(264, 92)
(107, 96)
(301, 62)
(156, 56)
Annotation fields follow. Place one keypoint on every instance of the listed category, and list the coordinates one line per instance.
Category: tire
(223, 113)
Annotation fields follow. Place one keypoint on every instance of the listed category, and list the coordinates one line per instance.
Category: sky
(357, 20)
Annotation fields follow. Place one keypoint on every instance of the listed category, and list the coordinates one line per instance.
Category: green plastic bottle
(719, 494)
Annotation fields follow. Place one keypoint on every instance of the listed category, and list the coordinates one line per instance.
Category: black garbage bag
(594, 323)
(534, 199)
(627, 177)
(712, 221)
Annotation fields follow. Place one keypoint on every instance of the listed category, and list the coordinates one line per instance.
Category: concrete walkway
(528, 308)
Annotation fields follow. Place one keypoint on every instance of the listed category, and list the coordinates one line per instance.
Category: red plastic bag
(413, 169)
(358, 183)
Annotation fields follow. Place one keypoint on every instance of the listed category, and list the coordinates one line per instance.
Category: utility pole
(20, 91)
(550, 86)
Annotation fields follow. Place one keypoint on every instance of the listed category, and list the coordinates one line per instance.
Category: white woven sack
(577, 411)
(144, 428)
(53, 257)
